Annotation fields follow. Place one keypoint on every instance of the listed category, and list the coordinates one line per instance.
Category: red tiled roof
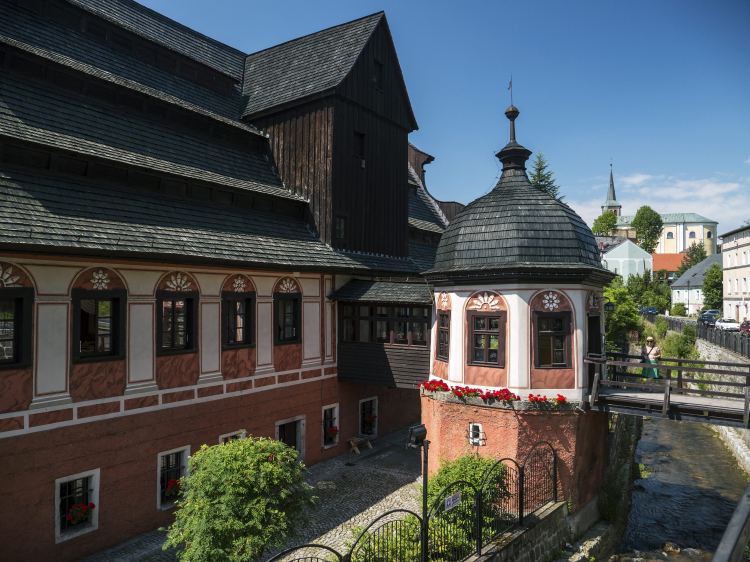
(670, 262)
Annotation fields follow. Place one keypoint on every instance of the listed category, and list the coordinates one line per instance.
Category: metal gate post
(478, 507)
(554, 476)
(520, 496)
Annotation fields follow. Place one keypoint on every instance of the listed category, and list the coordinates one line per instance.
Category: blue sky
(662, 88)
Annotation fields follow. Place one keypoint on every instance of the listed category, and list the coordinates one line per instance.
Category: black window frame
(191, 299)
(250, 314)
(501, 332)
(329, 423)
(69, 498)
(297, 298)
(392, 317)
(23, 334)
(443, 330)
(566, 332)
(363, 423)
(169, 473)
(119, 323)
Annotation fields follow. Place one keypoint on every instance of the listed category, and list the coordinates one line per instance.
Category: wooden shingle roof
(360, 290)
(516, 225)
(423, 214)
(305, 66)
(40, 213)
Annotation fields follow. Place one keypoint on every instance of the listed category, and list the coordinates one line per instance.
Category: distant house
(736, 265)
(622, 256)
(670, 262)
(688, 289)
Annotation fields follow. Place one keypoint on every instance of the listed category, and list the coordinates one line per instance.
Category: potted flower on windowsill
(331, 434)
(370, 423)
(80, 513)
(173, 488)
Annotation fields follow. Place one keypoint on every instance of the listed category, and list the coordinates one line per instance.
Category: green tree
(695, 254)
(648, 225)
(713, 287)
(241, 498)
(646, 291)
(604, 224)
(678, 310)
(624, 318)
(542, 179)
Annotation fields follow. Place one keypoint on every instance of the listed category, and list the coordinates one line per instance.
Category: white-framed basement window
(227, 437)
(292, 431)
(330, 420)
(171, 465)
(73, 490)
(476, 435)
(368, 425)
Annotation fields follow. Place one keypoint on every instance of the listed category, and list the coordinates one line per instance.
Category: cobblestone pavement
(378, 480)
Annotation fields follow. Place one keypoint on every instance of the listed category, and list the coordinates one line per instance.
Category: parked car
(709, 319)
(713, 311)
(651, 310)
(728, 324)
(745, 328)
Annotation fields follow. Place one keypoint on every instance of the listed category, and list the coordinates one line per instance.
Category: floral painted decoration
(173, 488)
(179, 282)
(79, 513)
(288, 285)
(239, 284)
(444, 299)
(490, 301)
(7, 279)
(551, 301)
(100, 279)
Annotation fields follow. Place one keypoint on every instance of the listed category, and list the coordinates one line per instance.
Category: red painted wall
(125, 449)
(579, 440)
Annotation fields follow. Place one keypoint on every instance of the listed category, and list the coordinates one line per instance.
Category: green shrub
(241, 498)
(678, 310)
(661, 326)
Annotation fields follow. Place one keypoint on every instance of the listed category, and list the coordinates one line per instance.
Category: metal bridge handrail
(366, 529)
(288, 551)
(448, 487)
(737, 534)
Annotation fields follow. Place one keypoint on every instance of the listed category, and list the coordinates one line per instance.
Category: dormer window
(377, 74)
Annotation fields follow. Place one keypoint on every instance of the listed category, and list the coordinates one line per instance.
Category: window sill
(229, 346)
(76, 531)
(97, 359)
(170, 506)
(10, 366)
(406, 345)
(162, 352)
(550, 367)
(489, 365)
(330, 445)
(287, 342)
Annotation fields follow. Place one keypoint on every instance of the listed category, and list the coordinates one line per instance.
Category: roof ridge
(248, 55)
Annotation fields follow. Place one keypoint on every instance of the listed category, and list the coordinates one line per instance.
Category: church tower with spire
(611, 203)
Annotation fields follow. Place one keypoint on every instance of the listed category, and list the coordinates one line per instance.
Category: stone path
(378, 480)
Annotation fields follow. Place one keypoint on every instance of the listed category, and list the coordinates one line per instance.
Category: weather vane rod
(510, 87)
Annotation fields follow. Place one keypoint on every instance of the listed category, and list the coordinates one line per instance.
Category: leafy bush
(678, 310)
(241, 498)
(661, 326)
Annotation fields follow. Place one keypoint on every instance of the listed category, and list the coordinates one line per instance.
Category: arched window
(709, 235)
(670, 235)
(691, 235)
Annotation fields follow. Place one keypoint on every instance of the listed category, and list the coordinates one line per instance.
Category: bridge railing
(737, 534)
(676, 377)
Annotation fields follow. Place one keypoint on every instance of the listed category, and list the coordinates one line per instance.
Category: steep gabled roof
(306, 66)
(696, 273)
(424, 214)
(361, 290)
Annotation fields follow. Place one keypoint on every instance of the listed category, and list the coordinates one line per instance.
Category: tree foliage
(648, 226)
(604, 224)
(543, 179)
(678, 310)
(695, 254)
(624, 318)
(713, 287)
(646, 291)
(241, 499)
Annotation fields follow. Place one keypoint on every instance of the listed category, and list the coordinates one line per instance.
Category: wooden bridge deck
(616, 390)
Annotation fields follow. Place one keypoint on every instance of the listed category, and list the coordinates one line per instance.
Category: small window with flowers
(172, 467)
(385, 324)
(487, 338)
(368, 416)
(444, 335)
(330, 426)
(77, 505)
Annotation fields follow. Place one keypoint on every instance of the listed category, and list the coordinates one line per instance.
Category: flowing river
(689, 496)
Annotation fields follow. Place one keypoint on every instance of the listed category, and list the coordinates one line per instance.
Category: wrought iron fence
(462, 521)
(737, 342)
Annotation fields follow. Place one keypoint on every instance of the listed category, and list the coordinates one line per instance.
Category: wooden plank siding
(367, 363)
(301, 141)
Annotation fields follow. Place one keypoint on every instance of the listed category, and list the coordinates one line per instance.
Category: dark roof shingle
(304, 66)
(360, 290)
(696, 273)
(422, 212)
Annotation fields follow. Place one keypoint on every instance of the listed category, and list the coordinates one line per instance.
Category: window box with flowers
(76, 499)
(368, 416)
(330, 426)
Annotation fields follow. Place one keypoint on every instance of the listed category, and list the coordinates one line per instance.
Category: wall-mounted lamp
(609, 306)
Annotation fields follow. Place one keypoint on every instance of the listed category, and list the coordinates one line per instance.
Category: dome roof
(516, 226)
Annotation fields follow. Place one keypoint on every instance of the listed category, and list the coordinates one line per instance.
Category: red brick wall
(126, 448)
(579, 440)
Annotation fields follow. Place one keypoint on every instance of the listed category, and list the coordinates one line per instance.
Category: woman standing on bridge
(650, 353)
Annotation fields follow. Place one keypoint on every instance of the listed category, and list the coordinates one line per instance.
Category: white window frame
(241, 432)
(186, 468)
(476, 441)
(93, 525)
(301, 434)
(377, 413)
(322, 427)
(678, 295)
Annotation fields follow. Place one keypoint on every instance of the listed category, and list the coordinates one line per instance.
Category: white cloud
(747, 161)
(726, 202)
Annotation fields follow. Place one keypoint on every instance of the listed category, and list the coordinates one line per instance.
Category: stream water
(688, 497)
